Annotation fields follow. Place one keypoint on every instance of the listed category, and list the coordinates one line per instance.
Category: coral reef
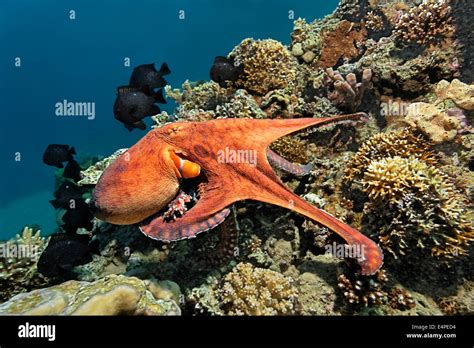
(433, 122)
(348, 93)
(404, 178)
(458, 92)
(268, 65)
(255, 291)
(428, 22)
(419, 205)
(18, 272)
(112, 295)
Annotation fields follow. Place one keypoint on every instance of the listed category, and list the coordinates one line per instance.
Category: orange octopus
(140, 184)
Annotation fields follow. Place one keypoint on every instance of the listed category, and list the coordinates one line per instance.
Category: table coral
(267, 64)
(112, 295)
(256, 291)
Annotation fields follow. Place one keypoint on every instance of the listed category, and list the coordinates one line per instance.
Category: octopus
(139, 185)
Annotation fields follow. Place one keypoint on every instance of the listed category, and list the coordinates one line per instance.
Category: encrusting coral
(267, 64)
(18, 272)
(437, 125)
(426, 23)
(256, 291)
(112, 295)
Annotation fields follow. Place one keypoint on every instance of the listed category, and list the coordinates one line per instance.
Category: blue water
(82, 60)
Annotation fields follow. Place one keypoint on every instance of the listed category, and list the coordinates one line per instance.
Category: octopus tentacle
(283, 164)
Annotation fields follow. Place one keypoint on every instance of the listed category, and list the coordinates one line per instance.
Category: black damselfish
(146, 78)
(132, 105)
(223, 70)
(56, 154)
(64, 251)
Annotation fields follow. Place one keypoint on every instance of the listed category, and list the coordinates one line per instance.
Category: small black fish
(64, 251)
(224, 70)
(67, 192)
(79, 216)
(56, 154)
(146, 78)
(72, 171)
(132, 105)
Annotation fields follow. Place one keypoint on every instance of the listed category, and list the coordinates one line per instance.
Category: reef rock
(460, 93)
(433, 122)
(112, 295)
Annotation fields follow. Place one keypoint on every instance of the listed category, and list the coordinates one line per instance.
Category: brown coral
(426, 23)
(341, 43)
(267, 65)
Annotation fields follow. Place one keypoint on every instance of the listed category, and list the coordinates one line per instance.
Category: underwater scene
(250, 158)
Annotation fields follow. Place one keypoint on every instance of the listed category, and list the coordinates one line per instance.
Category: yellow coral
(18, 272)
(267, 64)
(390, 178)
(403, 143)
(256, 291)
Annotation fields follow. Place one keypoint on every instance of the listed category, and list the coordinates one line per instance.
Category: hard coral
(267, 65)
(413, 203)
(18, 271)
(403, 143)
(342, 43)
(391, 178)
(348, 93)
(256, 291)
(433, 122)
(426, 23)
(112, 295)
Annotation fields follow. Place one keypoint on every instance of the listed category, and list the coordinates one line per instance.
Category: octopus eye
(184, 168)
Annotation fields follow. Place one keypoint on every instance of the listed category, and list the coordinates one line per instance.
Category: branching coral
(267, 64)
(241, 105)
(403, 143)
(392, 177)
(203, 96)
(374, 21)
(426, 23)
(348, 93)
(18, 271)
(256, 291)
(413, 203)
